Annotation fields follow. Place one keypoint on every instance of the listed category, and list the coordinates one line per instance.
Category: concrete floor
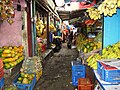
(57, 73)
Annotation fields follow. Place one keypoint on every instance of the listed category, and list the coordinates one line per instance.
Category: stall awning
(49, 6)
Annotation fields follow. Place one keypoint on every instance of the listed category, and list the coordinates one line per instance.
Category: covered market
(59, 45)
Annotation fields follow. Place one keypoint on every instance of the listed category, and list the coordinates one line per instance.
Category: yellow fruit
(26, 75)
(85, 50)
(118, 3)
(5, 60)
(10, 48)
(7, 66)
(33, 75)
(12, 52)
(11, 64)
(5, 47)
(30, 77)
(94, 66)
(7, 51)
(20, 78)
(4, 55)
(22, 74)
(95, 47)
(89, 58)
(25, 81)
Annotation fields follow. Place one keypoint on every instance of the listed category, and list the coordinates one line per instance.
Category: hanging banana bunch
(108, 7)
(118, 4)
(39, 27)
(94, 13)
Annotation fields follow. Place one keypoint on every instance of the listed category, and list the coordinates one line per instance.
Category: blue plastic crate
(76, 76)
(75, 80)
(24, 86)
(1, 83)
(75, 63)
(108, 75)
(79, 73)
(77, 66)
(80, 68)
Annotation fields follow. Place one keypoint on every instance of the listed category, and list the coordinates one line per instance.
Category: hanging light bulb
(59, 3)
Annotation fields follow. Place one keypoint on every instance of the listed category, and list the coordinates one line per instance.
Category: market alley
(57, 71)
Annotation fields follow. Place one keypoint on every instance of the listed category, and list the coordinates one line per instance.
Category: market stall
(11, 35)
(102, 43)
(41, 34)
(105, 73)
(12, 49)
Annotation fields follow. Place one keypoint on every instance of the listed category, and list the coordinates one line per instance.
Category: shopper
(70, 38)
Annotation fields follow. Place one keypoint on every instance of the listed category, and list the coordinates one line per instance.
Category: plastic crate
(79, 73)
(1, 83)
(107, 73)
(75, 80)
(78, 69)
(75, 63)
(1, 73)
(85, 84)
(24, 86)
(77, 66)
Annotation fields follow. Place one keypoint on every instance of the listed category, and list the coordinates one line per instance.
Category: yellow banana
(89, 58)
(118, 3)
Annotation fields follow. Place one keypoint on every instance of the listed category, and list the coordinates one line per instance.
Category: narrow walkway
(57, 71)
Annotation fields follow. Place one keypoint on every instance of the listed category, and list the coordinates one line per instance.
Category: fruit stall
(108, 43)
(45, 26)
(12, 49)
(41, 34)
(30, 73)
(20, 30)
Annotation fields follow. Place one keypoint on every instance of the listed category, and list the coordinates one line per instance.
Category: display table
(106, 85)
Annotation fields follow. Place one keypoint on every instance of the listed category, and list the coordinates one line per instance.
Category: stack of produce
(11, 55)
(86, 45)
(7, 11)
(10, 87)
(52, 27)
(107, 7)
(90, 46)
(80, 40)
(32, 65)
(25, 78)
(94, 13)
(39, 27)
(118, 4)
(109, 52)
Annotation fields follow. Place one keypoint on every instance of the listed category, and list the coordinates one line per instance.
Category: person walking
(70, 38)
